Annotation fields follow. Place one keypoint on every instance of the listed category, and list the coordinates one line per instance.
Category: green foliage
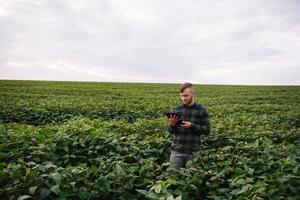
(68, 140)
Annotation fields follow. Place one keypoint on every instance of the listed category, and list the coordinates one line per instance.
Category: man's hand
(172, 121)
(186, 124)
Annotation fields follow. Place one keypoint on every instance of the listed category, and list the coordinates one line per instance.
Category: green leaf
(170, 197)
(152, 195)
(42, 168)
(220, 174)
(28, 171)
(106, 186)
(156, 188)
(24, 197)
(55, 189)
(66, 148)
(178, 198)
(244, 189)
(44, 193)
(250, 171)
(238, 171)
(33, 189)
(260, 190)
(56, 176)
(85, 195)
(295, 170)
(49, 165)
(283, 179)
(142, 191)
(241, 181)
(73, 184)
(120, 171)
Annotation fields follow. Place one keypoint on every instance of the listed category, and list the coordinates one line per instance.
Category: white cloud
(151, 41)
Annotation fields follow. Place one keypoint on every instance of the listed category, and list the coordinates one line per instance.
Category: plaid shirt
(187, 140)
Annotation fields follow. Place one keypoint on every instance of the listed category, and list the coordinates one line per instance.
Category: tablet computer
(168, 114)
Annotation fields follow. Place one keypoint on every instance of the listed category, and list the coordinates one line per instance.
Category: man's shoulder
(196, 106)
(201, 108)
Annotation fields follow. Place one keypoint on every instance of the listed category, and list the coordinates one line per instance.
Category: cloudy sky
(205, 42)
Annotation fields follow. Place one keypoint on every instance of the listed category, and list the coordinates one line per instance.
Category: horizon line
(137, 82)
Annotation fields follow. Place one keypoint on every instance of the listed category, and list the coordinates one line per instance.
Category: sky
(246, 42)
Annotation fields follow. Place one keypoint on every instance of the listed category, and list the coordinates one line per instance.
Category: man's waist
(185, 147)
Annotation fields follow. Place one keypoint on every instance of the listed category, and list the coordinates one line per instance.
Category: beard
(187, 101)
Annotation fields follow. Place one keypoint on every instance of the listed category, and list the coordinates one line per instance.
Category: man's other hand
(186, 124)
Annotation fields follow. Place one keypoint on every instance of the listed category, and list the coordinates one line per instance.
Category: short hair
(184, 86)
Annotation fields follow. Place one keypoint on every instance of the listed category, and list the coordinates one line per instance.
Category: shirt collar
(192, 106)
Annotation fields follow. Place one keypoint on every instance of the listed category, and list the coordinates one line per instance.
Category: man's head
(187, 94)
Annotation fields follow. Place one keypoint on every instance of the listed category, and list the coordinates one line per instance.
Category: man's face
(187, 96)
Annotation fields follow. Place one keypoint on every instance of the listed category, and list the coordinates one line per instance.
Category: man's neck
(190, 104)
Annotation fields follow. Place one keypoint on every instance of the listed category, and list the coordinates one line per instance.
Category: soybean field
(91, 140)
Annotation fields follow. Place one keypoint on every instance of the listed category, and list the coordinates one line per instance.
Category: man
(186, 135)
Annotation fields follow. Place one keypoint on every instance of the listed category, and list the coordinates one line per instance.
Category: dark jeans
(180, 159)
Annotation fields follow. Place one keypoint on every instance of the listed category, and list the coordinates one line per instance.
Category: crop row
(86, 158)
(68, 140)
